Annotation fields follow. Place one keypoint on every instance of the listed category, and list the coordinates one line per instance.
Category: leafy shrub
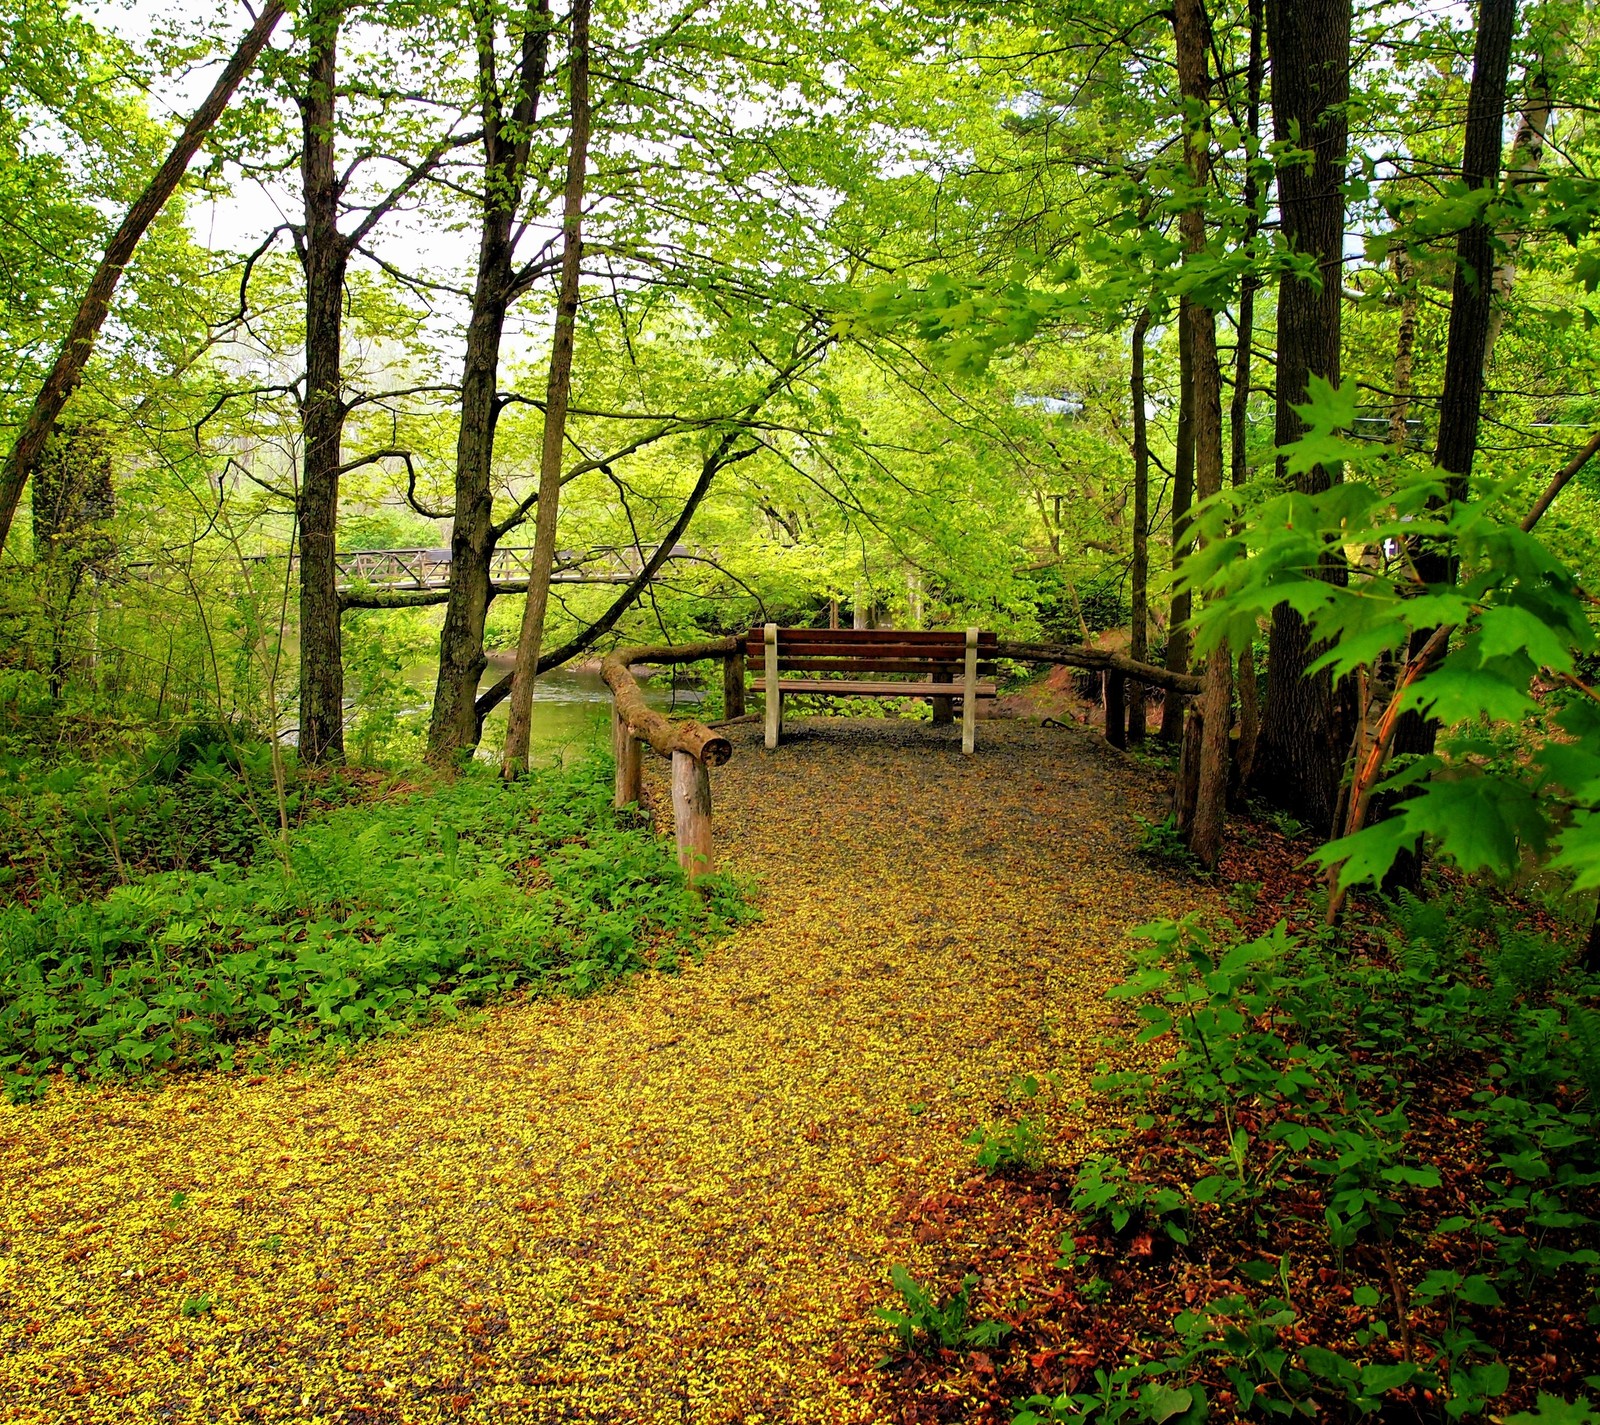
(944, 1326)
(1162, 844)
(1318, 1048)
(377, 918)
(203, 793)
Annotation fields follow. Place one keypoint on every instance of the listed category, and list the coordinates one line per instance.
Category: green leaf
(1376, 1379)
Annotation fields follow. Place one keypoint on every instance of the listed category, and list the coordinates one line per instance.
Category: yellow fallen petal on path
(677, 1201)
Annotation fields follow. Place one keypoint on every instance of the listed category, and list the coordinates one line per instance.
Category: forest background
(1256, 341)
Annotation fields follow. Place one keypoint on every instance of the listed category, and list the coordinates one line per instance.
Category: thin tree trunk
(1192, 32)
(506, 141)
(75, 351)
(1300, 753)
(1177, 659)
(1405, 344)
(1522, 170)
(1239, 409)
(559, 391)
(1139, 572)
(323, 412)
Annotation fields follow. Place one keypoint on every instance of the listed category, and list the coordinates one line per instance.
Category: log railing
(693, 748)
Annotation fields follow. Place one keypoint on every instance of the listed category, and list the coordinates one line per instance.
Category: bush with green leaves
(374, 919)
(76, 825)
(925, 1321)
(1515, 775)
(1292, 1068)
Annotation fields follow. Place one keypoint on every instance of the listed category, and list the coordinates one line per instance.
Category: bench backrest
(871, 650)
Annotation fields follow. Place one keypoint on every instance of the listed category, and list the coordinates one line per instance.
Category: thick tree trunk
(1471, 301)
(558, 393)
(323, 412)
(1192, 33)
(1472, 294)
(92, 310)
(1177, 659)
(1300, 753)
(454, 723)
(1139, 571)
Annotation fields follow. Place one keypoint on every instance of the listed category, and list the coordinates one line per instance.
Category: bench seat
(880, 689)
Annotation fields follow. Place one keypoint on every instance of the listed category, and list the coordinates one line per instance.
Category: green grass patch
(376, 918)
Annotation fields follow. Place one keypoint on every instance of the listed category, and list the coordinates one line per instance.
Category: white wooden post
(625, 747)
(969, 695)
(691, 814)
(774, 697)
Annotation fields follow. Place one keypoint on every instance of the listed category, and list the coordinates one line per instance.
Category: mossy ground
(677, 1201)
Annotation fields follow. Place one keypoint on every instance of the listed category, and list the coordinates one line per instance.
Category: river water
(571, 706)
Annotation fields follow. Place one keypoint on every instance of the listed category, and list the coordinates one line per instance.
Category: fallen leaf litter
(678, 1200)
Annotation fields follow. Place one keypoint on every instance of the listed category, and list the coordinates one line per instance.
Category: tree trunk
(92, 310)
(323, 412)
(1192, 32)
(1471, 301)
(558, 393)
(1472, 294)
(1405, 344)
(506, 140)
(1139, 571)
(1522, 170)
(1239, 409)
(1177, 659)
(1300, 754)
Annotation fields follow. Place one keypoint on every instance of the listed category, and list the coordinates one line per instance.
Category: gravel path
(673, 1202)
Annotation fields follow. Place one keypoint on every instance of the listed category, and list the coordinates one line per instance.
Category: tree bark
(76, 350)
(1177, 659)
(1405, 345)
(1139, 571)
(1522, 170)
(506, 143)
(1471, 301)
(558, 393)
(1299, 755)
(323, 411)
(1191, 29)
(1472, 293)
(1239, 408)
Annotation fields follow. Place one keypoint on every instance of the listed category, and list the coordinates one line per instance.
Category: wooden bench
(946, 666)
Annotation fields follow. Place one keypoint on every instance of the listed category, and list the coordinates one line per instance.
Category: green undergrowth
(371, 919)
(76, 820)
(1382, 1149)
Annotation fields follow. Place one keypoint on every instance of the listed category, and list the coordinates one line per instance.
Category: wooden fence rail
(693, 748)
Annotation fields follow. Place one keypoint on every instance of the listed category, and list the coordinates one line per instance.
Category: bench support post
(943, 708)
(733, 685)
(691, 814)
(625, 747)
(969, 695)
(774, 697)
(1116, 708)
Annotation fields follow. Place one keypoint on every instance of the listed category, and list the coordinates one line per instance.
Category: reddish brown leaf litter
(675, 1201)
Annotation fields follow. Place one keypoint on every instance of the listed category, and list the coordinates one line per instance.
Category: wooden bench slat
(885, 689)
(880, 641)
(930, 667)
